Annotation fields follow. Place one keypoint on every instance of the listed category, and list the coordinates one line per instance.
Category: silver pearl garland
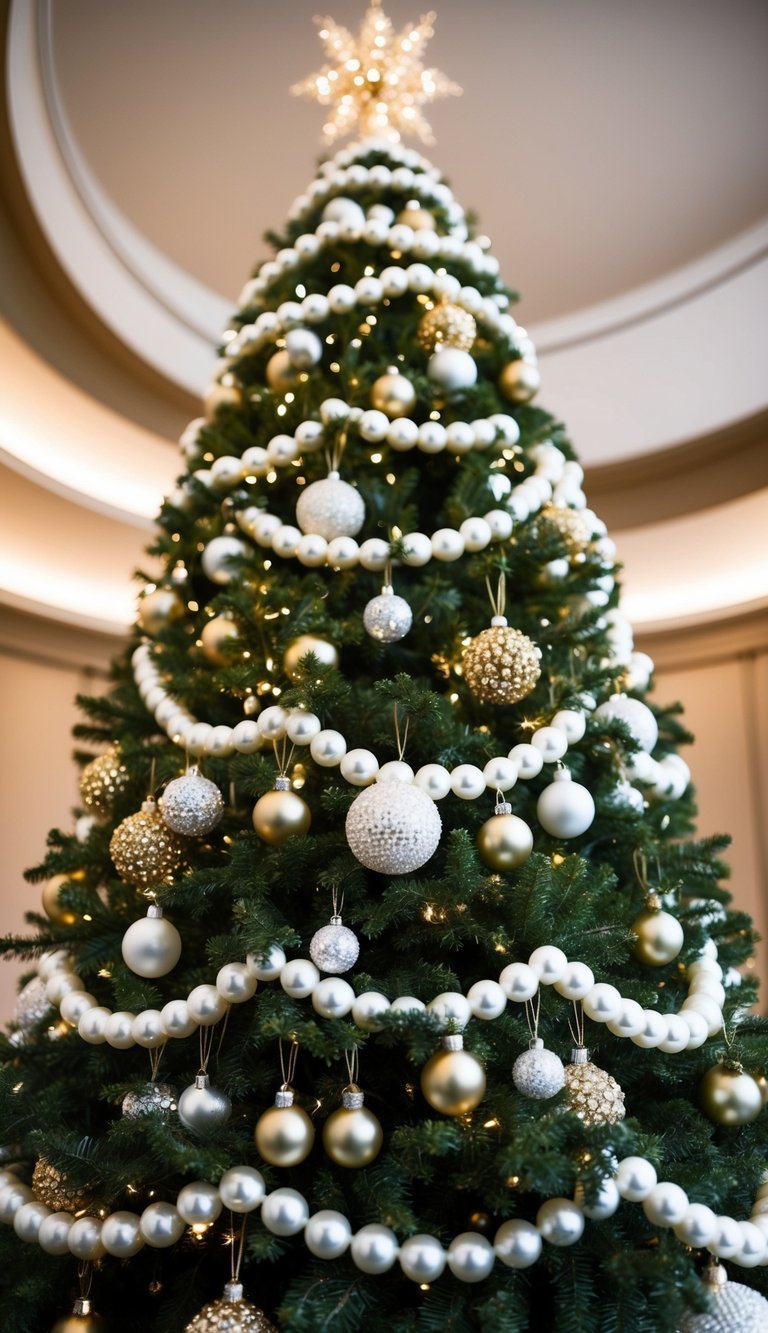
(192, 804)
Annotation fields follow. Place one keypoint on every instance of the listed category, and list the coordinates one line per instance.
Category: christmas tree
(382, 982)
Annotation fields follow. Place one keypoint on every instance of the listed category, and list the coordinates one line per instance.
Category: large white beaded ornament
(192, 804)
(393, 827)
(734, 1308)
(330, 508)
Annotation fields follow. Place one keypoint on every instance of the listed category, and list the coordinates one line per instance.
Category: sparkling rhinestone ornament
(334, 948)
(154, 1099)
(231, 1314)
(144, 850)
(203, 1108)
(32, 1005)
(387, 618)
(573, 528)
(52, 1188)
(393, 827)
(192, 804)
(501, 665)
(330, 508)
(734, 1308)
(453, 1080)
(102, 780)
(537, 1072)
(447, 325)
(593, 1095)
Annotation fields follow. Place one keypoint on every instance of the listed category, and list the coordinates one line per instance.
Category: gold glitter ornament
(144, 850)
(501, 665)
(231, 1314)
(52, 1188)
(447, 325)
(102, 780)
(593, 1095)
(573, 528)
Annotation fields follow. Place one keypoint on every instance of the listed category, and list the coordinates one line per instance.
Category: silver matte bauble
(537, 1072)
(203, 1108)
(565, 809)
(220, 556)
(151, 947)
(334, 948)
(636, 716)
(304, 348)
(192, 804)
(393, 828)
(451, 371)
(330, 508)
(387, 618)
(154, 1099)
(734, 1308)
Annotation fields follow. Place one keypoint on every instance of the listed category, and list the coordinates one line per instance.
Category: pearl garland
(700, 1014)
(375, 1248)
(360, 767)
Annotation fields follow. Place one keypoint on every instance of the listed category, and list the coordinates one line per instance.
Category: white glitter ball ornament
(538, 1073)
(393, 827)
(154, 1099)
(636, 716)
(192, 804)
(231, 1314)
(387, 618)
(32, 1004)
(334, 948)
(330, 508)
(734, 1308)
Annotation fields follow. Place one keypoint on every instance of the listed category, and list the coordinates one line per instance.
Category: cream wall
(720, 675)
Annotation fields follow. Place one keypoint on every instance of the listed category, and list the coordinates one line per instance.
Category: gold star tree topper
(376, 82)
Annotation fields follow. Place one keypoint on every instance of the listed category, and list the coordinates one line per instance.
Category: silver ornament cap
(192, 804)
(393, 827)
(387, 618)
(334, 948)
(537, 1072)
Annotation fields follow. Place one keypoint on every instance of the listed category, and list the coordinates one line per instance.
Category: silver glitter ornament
(334, 948)
(734, 1308)
(387, 617)
(231, 1314)
(32, 1004)
(330, 508)
(636, 716)
(393, 827)
(501, 665)
(154, 1099)
(203, 1108)
(538, 1073)
(192, 804)
(593, 1094)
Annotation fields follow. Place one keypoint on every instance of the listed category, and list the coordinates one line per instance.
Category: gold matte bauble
(51, 1187)
(280, 815)
(144, 850)
(215, 635)
(284, 1135)
(501, 665)
(159, 609)
(52, 905)
(281, 373)
(519, 381)
(453, 1082)
(220, 395)
(83, 1319)
(393, 394)
(505, 842)
(730, 1096)
(102, 780)
(573, 528)
(352, 1137)
(593, 1094)
(762, 1083)
(419, 219)
(324, 651)
(447, 325)
(659, 937)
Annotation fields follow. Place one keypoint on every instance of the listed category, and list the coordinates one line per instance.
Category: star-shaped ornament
(376, 83)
